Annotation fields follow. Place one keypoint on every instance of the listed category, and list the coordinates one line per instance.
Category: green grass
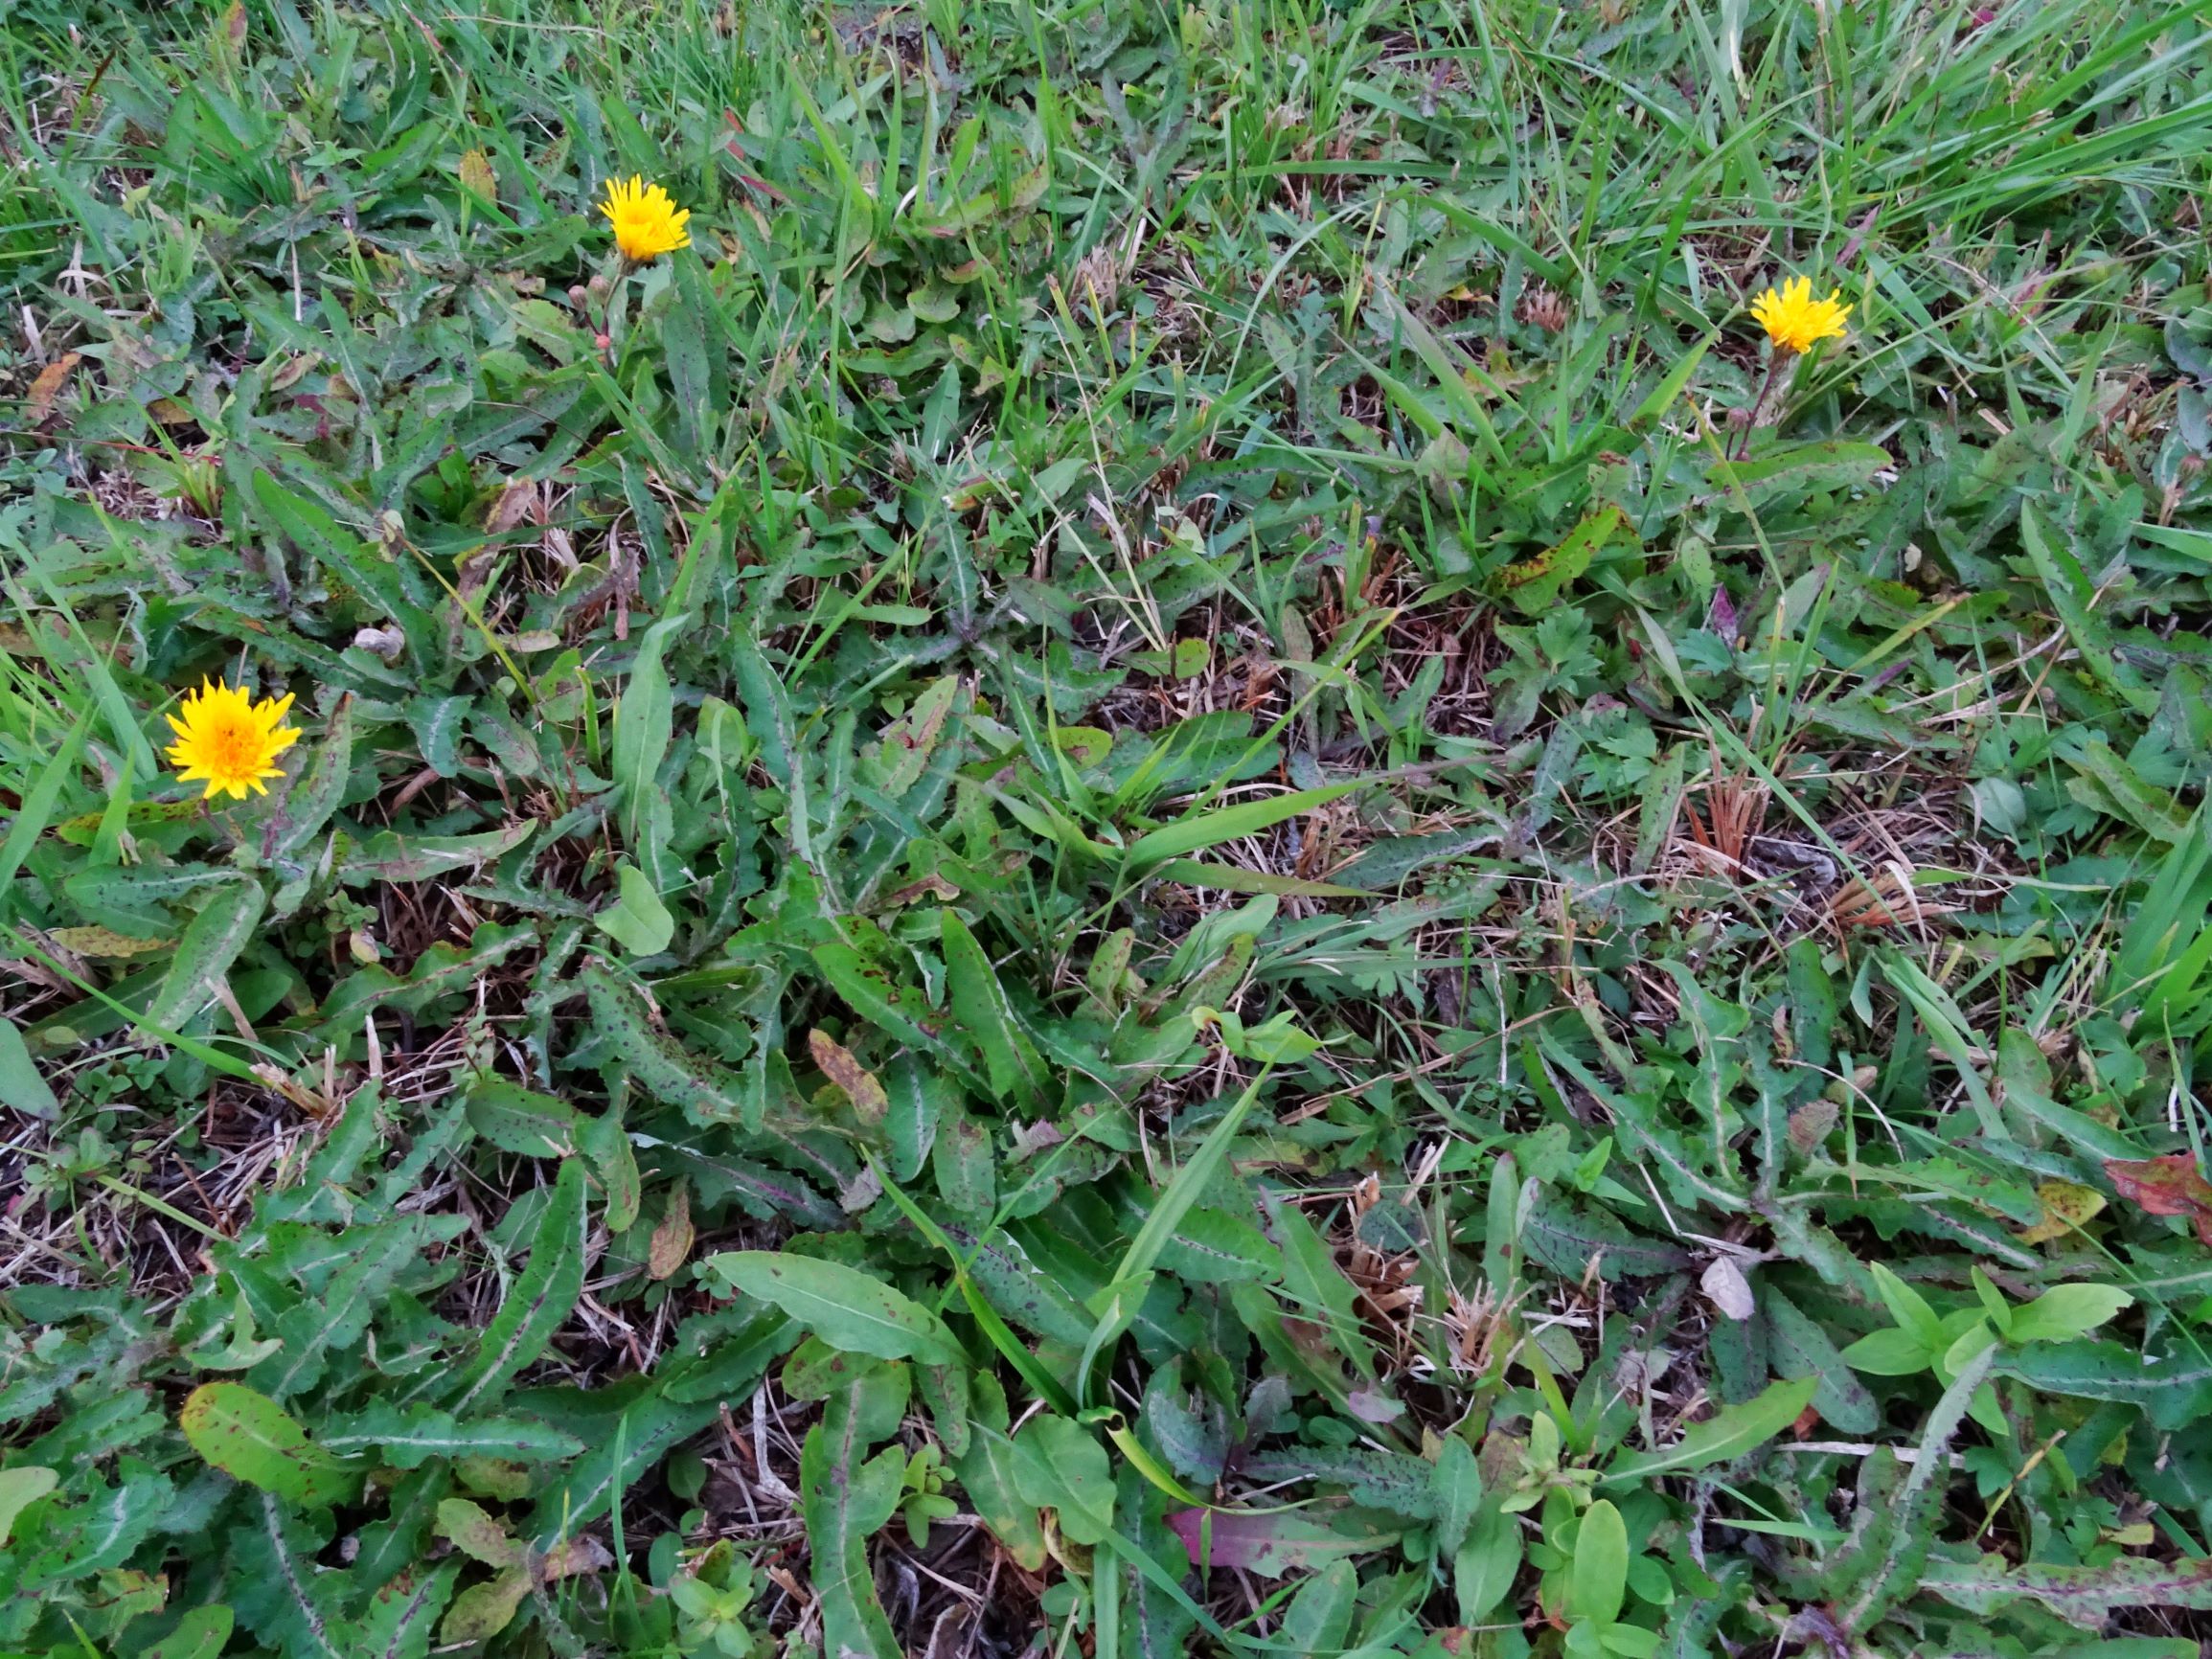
(1173, 867)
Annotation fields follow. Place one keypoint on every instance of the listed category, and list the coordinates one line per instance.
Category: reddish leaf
(2168, 1186)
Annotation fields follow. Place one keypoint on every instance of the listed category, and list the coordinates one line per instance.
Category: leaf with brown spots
(2168, 1186)
(672, 1239)
(2067, 1205)
(861, 1084)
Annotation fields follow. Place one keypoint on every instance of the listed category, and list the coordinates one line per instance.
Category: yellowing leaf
(2066, 1206)
(861, 1085)
(477, 175)
(107, 942)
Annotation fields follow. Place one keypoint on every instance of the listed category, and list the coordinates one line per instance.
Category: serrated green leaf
(1909, 1526)
(659, 1065)
(376, 1256)
(320, 790)
(407, 1436)
(1800, 1348)
(539, 1302)
(979, 1004)
(282, 1593)
(211, 941)
(1824, 464)
(643, 721)
(845, 1499)
(394, 855)
(402, 1617)
(2084, 1596)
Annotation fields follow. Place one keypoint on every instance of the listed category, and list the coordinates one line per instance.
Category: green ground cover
(1177, 864)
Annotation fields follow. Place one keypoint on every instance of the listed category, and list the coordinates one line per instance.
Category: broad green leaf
(1727, 1434)
(987, 1472)
(1234, 879)
(1907, 1307)
(519, 1120)
(1116, 1306)
(605, 1146)
(1213, 1247)
(847, 1309)
(22, 1086)
(1485, 1566)
(485, 1608)
(1457, 1485)
(902, 755)
(199, 1633)
(898, 1010)
(2071, 593)
(768, 716)
(1534, 585)
(863, 1088)
(640, 1439)
(394, 855)
(1892, 1352)
(19, 1488)
(2068, 1311)
(250, 1438)
(1314, 1287)
(1598, 1579)
(476, 1535)
(1319, 1617)
(1060, 1465)
(637, 920)
(1273, 1544)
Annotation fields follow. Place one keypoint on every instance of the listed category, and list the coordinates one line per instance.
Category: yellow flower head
(1794, 319)
(227, 739)
(647, 222)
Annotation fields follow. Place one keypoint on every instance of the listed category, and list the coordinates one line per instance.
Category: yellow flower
(647, 222)
(227, 739)
(1794, 319)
